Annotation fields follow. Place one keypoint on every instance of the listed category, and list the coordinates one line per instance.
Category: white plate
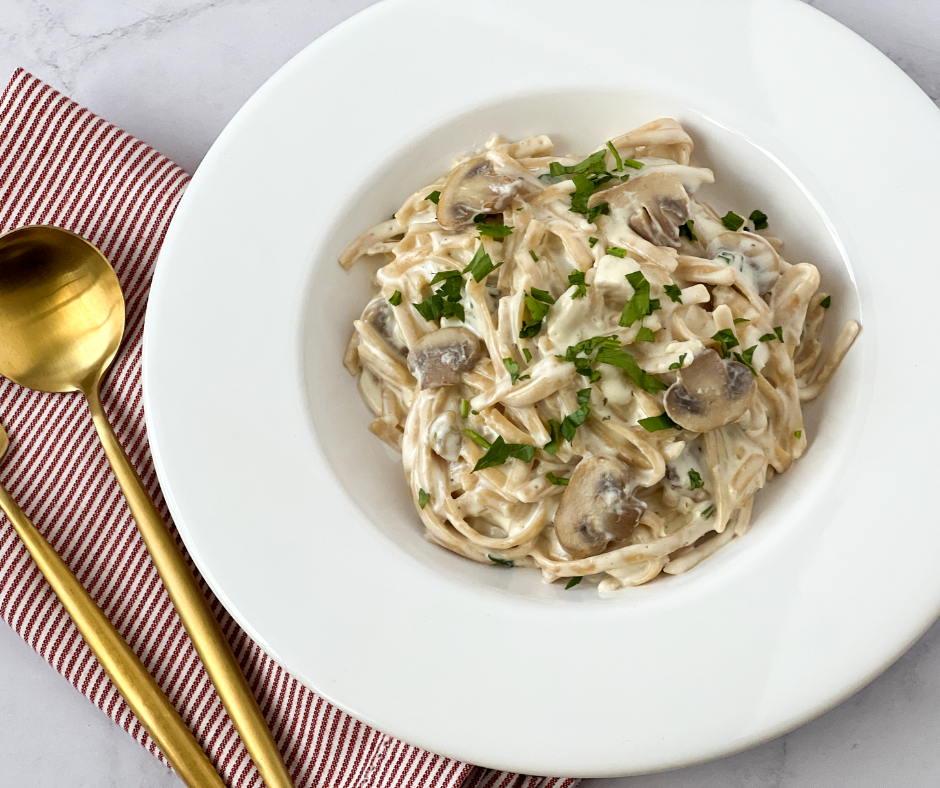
(299, 518)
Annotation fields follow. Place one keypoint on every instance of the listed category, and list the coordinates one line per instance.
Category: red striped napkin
(60, 164)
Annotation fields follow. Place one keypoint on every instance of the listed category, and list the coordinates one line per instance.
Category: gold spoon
(128, 673)
(61, 322)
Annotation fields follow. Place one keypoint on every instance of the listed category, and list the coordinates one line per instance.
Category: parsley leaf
(695, 480)
(494, 230)
(798, 434)
(576, 279)
(464, 408)
(768, 337)
(554, 431)
(500, 451)
(527, 354)
(633, 163)
(572, 421)
(759, 218)
(476, 437)
(685, 230)
(542, 295)
(678, 364)
(732, 221)
(746, 358)
(481, 266)
(591, 241)
(645, 335)
(595, 163)
(616, 251)
(513, 367)
(674, 292)
(423, 498)
(620, 358)
(726, 339)
(395, 298)
(573, 582)
(501, 561)
(559, 480)
(738, 320)
(778, 330)
(538, 309)
(708, 512)
(434, 196)
(534, 256)
(657, 423)
(639, 304)
(613, 150)
(825, 303)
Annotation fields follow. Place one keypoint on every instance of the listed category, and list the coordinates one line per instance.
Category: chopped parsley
(584, 187)
(513, 367)
(674, 292)
(534, 256)
(481, 266)
(395, 298)
(613, 150)
(695, 480)
(591, 241)
(726, 340)
(768, 338)
(537, 302)
(573, 582)
(732, 221)
(798, 434)
(501, 561)
(445, 302)
(527, 354)
(476, 437)
(618, 357)
(678, 364)
(708, 512)
(645, 334)
(559, 480)
(657, 423)
(746, 358)
(596, 163)
(633, 163)
(583, 365)
(759, 218)
(778, 330)
(686, 231)
(728, 258)
(423, 498)
(576, 279)
(826, 302)
(434, 196)
(640, 305)
(494, 230)
(572, 421)
(554, 431)
(464, 408)
(616, 251)
(500, 451)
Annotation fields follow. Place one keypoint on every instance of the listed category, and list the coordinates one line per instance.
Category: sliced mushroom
(655, 205)
(753, 258)
(598, 507)
(443, 356)
(472, 188)
(710, 393)
(380, 315)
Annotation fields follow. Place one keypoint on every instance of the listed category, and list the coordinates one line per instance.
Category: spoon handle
(134, 682)
(193, 609)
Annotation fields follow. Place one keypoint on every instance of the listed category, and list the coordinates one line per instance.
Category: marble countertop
(173, 72)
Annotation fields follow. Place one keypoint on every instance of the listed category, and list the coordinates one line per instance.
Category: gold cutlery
(61, 322)
(134, 682)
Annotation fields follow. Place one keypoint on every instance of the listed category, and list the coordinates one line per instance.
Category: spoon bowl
(61, 323)
(61, 310)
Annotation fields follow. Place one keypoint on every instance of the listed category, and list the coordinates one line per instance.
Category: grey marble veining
(173, 73)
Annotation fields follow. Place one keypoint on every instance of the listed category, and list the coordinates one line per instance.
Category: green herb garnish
(542, 295)
(616, 251)
(778, 330)
(746, 358)
(645, 334)
(826, 302)
(572, 582)
(572, 421)
(678, 364)
(674, 292)
(476, 437)
(500, 451)
(559, 480)
(639, 305)
(685, 230)
(768, 338)
(434, 196)
(708, 512)
(576, 279)
(395, 298)
(534, 256)
(464, 408)
(538, 308)
(423, 498)
(554, 431)
(481, 266)
(494, 230)
(513, 367)
(732, 221)
(739, 320)
(695, 480)
(527, 354)
(798, 434)
(759, 218)
(591, 241)
(657, 423)
(633, 163)
(726, 340)
(620, 358)
(501, 561)
(613, 150)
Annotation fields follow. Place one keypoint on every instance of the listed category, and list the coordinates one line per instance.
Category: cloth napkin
(61, 164)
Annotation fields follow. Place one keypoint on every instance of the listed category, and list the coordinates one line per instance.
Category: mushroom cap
(656, 206)
(753, 257)
(597, 507)
(441, 357)
(473, 187)
(381, 316)
(710, 393)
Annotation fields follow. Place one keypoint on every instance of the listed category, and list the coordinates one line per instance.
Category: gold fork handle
(142, 693)
(193, 609)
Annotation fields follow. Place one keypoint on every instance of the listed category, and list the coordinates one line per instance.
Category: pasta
(585, 368)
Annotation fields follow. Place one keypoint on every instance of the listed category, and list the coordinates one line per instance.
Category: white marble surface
(173, 72)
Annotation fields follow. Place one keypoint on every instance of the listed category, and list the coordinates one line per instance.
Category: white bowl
(300, 519)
